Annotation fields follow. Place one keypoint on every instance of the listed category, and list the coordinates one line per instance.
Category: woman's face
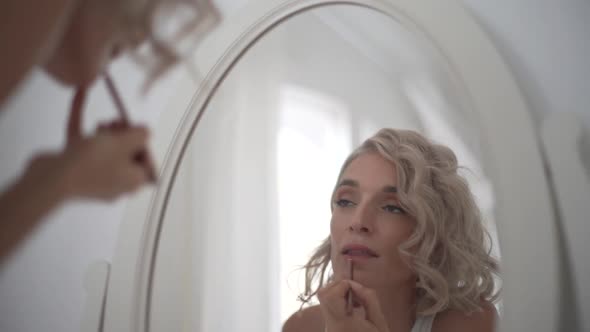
(368, 224)
(97, 32)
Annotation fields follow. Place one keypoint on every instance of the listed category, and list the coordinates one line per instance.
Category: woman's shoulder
(455, 320)
(308, 319)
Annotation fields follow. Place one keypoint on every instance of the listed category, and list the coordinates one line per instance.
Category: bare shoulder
(307, 320)
(458, 321)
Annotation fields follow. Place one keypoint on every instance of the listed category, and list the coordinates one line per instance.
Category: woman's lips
(358, 250)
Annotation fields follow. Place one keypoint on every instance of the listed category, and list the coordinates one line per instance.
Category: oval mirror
(246, 189)
(251, 200)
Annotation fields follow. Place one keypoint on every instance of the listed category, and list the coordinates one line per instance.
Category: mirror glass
(252, 199)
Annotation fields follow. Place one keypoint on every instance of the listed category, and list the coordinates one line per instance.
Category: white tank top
(423, 324)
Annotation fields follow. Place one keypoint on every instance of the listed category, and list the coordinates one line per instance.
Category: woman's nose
(363, 221)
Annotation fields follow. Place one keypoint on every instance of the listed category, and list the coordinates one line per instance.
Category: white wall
(546, 45)
(41, 285)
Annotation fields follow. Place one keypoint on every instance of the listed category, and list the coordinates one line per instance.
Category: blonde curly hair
(449, 253)
(162, 25)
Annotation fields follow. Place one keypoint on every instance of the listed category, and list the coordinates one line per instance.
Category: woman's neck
(398, 304)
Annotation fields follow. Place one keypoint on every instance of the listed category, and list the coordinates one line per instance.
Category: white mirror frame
(524, 212)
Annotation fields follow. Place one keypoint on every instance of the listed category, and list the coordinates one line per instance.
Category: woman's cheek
(101, 39)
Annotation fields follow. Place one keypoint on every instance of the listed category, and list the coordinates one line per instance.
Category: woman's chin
(71, 79)
(365, 278)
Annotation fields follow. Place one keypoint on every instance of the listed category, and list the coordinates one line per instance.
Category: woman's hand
(112, 162)
(103, 166)
(366, 315)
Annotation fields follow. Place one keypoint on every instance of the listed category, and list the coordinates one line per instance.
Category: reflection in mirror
(253, 199)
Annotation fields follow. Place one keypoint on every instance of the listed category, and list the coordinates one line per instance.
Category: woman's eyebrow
(390, 189)
(354, 183)
(348, 182)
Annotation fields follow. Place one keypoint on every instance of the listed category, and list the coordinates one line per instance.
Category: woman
(74, 40)
(408, 224)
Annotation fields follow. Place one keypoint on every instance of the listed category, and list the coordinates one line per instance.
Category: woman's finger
(118, 125)
(368, 298)
(136, 177)
(112, 126)
(333, 298)
(145, 159)
(134, 141)
(74, 129)
(102, 128)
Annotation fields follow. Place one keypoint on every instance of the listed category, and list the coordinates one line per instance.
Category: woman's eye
(393, 209)
(344, 203)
